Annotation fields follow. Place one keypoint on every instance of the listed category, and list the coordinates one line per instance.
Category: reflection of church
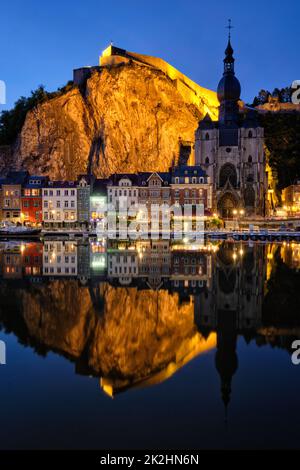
(231, 150)
(232, 305)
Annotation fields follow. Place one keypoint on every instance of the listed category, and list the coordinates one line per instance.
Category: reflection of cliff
(135, 336)
(139, 334)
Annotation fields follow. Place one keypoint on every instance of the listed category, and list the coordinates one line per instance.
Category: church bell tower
(231, 150)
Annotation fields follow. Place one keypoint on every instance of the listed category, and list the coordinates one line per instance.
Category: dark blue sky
(41, 42)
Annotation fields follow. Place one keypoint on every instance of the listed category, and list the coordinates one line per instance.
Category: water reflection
(133, 314)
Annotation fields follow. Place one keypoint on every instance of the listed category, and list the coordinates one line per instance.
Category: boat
(10, 230)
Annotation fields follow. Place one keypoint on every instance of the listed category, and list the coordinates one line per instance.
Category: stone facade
(231, 150)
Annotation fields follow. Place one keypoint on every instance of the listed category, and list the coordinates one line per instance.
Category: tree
(11, 121)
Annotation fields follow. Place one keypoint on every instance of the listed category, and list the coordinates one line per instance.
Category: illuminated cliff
(127, 115)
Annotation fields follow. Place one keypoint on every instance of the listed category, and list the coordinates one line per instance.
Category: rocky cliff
(126, 117)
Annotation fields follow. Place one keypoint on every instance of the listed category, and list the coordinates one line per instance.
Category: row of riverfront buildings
(37, 200)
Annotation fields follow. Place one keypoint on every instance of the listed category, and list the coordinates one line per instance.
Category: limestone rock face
(127, 118)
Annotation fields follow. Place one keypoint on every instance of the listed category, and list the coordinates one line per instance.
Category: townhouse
(123, 190)
(11, 193)
(60, 204)
(190, 185)
(31, 200)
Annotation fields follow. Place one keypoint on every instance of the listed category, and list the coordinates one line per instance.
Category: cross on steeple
(229, 27)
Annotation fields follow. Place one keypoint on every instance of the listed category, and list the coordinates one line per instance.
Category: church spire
(229, 88)
(229, 59)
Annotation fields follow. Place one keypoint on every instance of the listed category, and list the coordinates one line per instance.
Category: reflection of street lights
(242, 212)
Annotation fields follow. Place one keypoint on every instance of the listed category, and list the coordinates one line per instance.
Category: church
(231, 150)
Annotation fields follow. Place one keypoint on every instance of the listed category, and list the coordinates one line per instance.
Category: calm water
(149, 346)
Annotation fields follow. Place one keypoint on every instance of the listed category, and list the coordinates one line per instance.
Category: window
(207, 136)
(36, 203)
(194, 179)
(45, 203)
(66, 205)
(45, 192)
(58, 204)
(66, 192)
(51, 193)
(228, 173)
(250, 134)
(73, 192)
(26, 203)
(58, 192)
(27, 192)
(207, 161)
(250, 159)
(176, 180)
(73, 204)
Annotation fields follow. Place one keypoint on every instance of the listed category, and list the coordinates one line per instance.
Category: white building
(59, 199)
(123, 191)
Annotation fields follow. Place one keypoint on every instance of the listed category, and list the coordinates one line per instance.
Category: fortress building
(231, 150)
(191, 92)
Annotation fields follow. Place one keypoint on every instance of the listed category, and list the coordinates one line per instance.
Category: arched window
(207, 136)
(207, 161)
(250, 159)
(249, 196)
(250, 134)
(228, 173)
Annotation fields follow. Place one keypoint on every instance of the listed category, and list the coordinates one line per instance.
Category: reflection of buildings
(290, 255)
(177, 305)
(60, 258)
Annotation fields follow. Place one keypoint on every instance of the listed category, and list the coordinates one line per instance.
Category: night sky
(41, 42)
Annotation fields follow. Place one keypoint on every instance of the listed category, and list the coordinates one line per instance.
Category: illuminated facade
(59, 204)
(231, 150)
(291, 199)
